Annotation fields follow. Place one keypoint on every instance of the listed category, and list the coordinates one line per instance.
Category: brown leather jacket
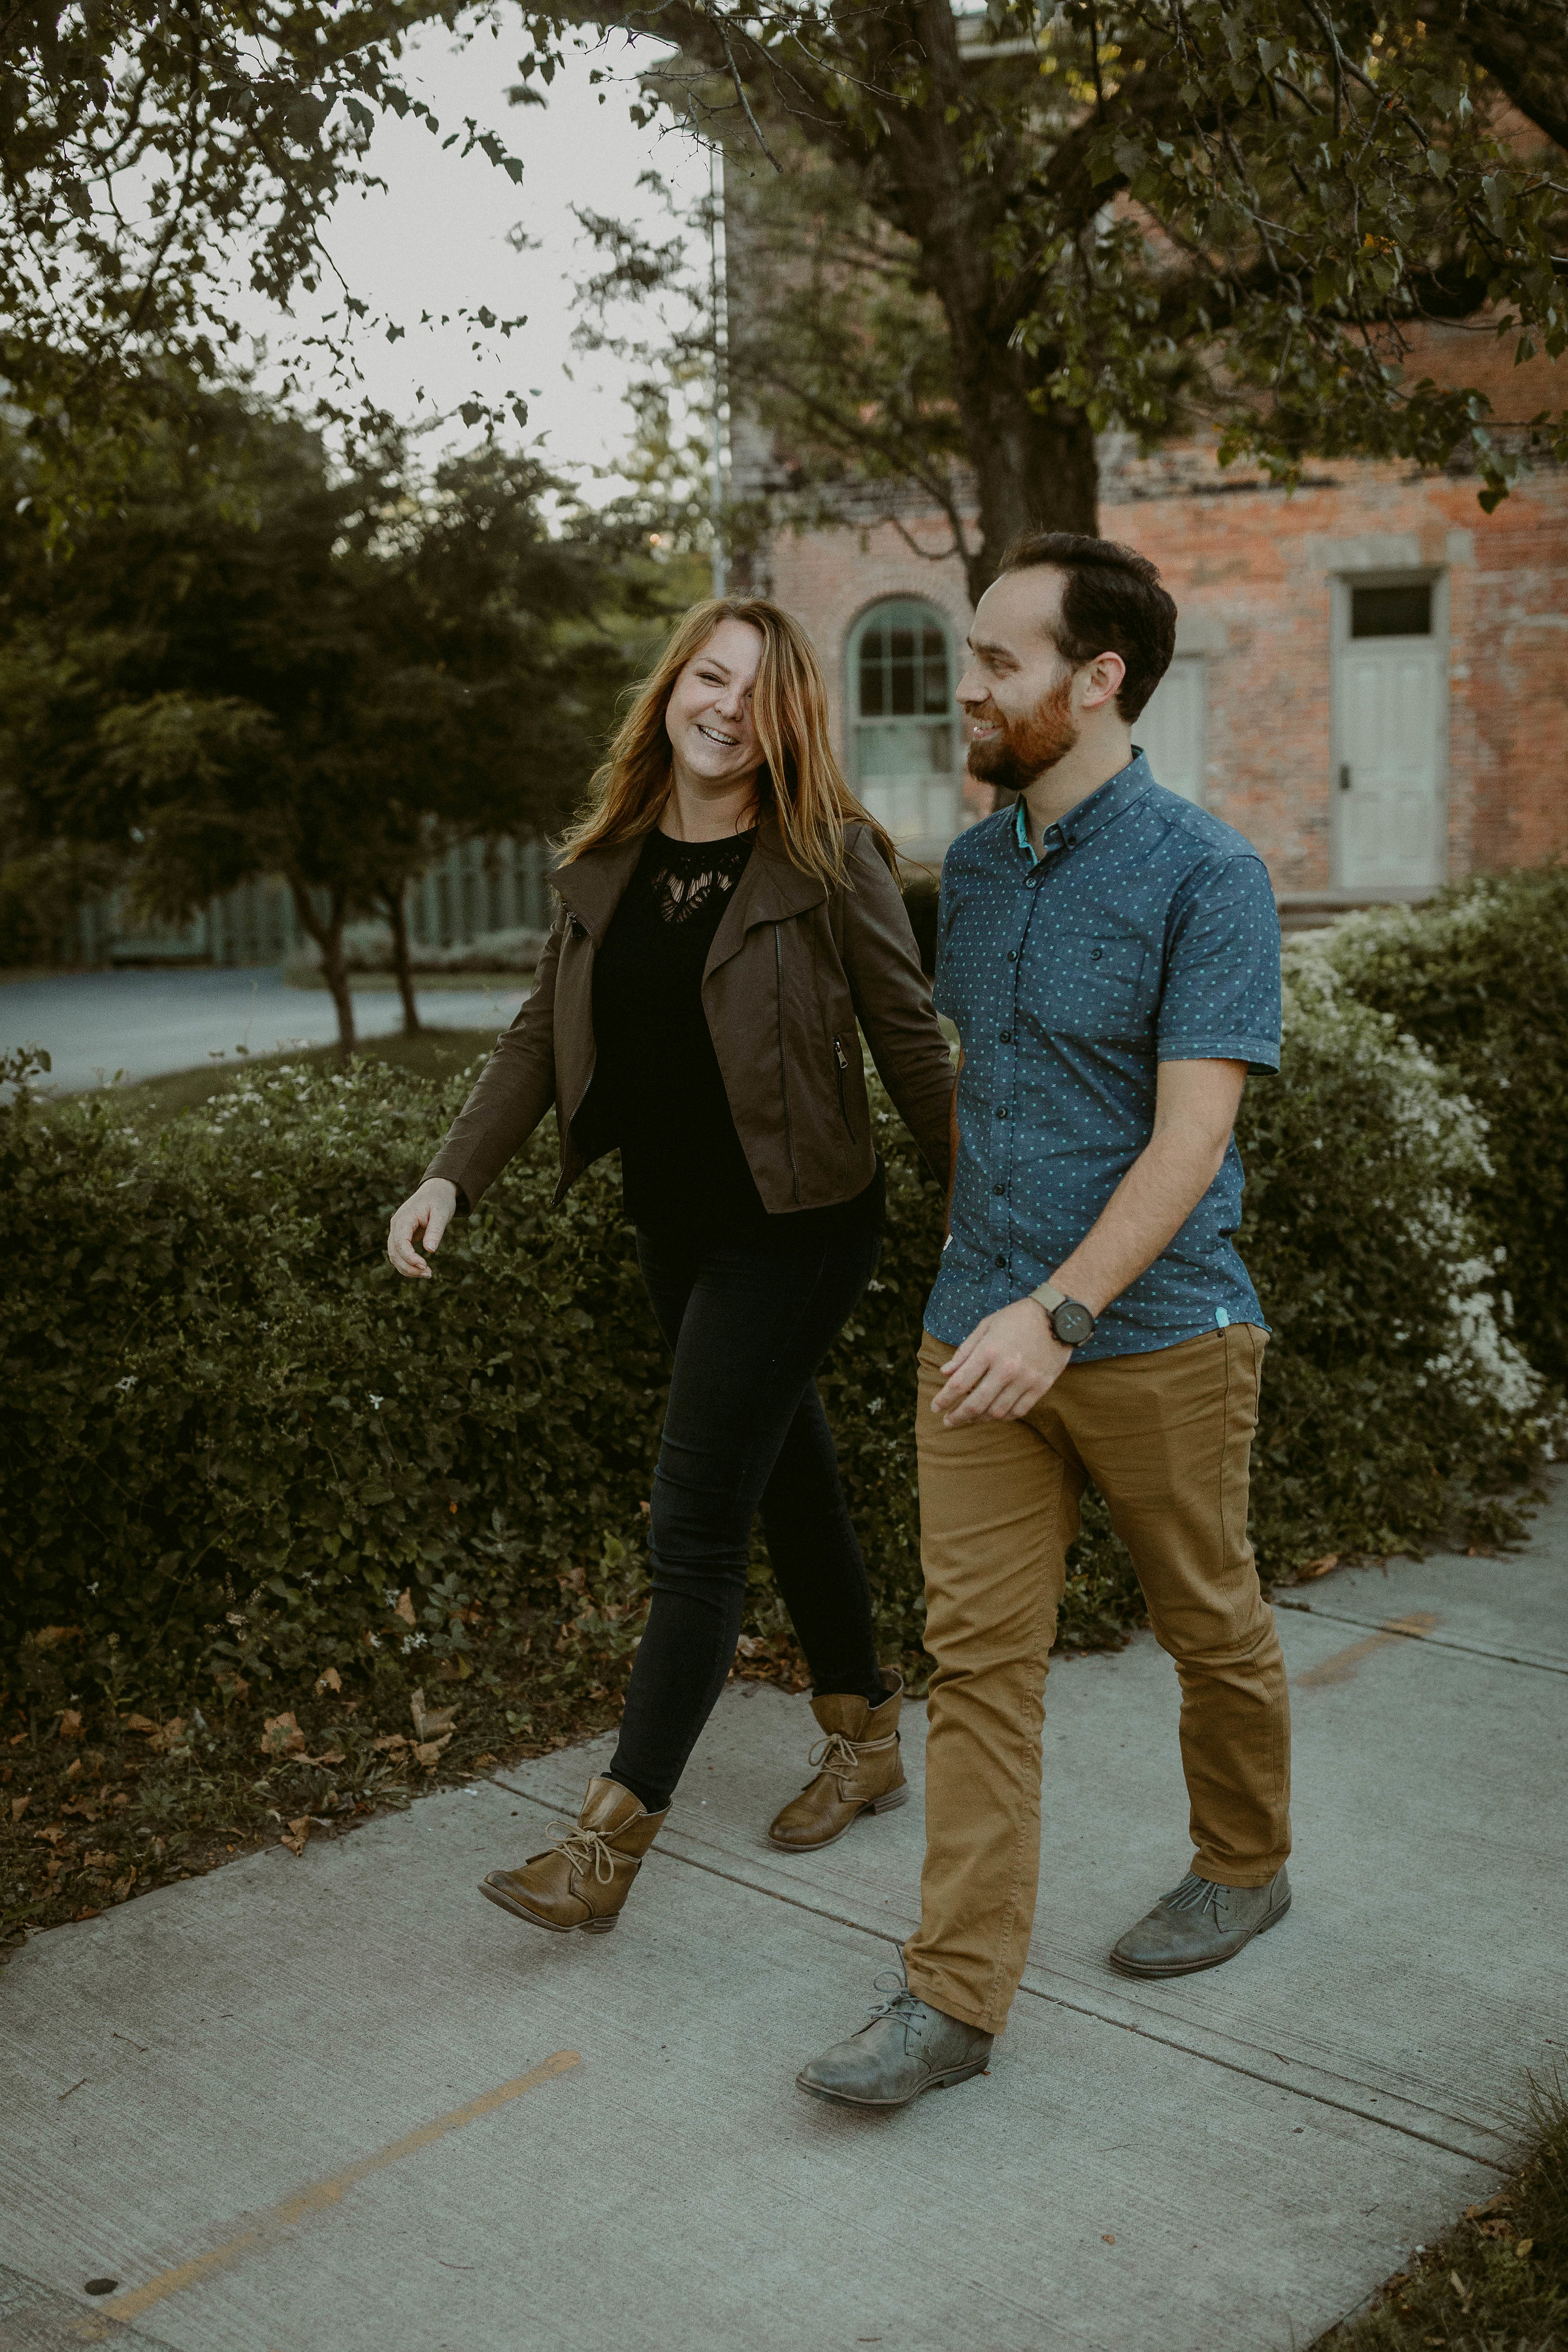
(795, 972)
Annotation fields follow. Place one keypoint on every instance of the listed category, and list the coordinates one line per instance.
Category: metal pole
(715, 301)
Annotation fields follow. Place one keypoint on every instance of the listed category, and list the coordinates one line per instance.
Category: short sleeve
(1220, 1001)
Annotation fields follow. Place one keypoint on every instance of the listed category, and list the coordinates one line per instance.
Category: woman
(729, 920)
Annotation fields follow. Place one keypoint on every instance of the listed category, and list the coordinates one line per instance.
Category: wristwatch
(1071, 1322)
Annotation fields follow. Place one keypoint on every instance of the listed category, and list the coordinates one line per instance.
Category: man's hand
(427, 1212)
(1003, 1368)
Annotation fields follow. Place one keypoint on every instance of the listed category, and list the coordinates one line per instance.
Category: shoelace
(584, 1849)
(900, 2002)
(835, 1754)
(1194, 1894)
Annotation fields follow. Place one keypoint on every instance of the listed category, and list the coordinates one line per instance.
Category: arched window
(906, 760)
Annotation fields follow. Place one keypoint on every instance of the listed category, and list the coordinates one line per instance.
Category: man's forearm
(1147, 1210)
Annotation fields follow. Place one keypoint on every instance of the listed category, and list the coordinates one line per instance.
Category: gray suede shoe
(1198, 1925)
(905, 2047)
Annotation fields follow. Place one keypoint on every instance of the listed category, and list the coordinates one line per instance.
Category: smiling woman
(731, 920)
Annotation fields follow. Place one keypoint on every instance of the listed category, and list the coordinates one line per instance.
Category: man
(1110, 955)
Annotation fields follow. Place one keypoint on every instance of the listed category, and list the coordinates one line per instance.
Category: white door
(1172, 728)
(1389, 725)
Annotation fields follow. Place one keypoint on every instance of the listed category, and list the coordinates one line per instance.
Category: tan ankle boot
(861, 1770)
(585, 1876)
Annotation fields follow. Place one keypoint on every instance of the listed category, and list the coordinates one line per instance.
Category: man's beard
(1026, 746)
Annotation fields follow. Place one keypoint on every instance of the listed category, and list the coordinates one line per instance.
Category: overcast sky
(436, 241)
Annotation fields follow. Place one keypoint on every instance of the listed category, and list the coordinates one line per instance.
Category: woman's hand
(425, 1214)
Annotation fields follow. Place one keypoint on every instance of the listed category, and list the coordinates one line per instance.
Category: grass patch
(1498, 2281)
(433, 1053)
(385, 984)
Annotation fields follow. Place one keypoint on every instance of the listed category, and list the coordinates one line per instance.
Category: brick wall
(1253, 573)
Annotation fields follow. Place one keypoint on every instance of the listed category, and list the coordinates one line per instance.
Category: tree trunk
(397, 917)
(329, 937)
(1033, 472)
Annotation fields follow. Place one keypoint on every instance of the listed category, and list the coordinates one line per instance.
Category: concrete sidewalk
(341, 2104)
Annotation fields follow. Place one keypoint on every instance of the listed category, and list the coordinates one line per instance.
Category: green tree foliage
(264, 669)
(963, 246)
(147, 156)
(231, 1437)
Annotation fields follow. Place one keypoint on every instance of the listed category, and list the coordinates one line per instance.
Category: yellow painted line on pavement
(1345, 1663)
(316, 2198)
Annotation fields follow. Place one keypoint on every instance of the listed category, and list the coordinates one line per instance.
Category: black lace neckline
(688, 875)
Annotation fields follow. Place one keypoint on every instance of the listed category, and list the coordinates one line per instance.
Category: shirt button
(1095, 954)
(1004, 1037)
(1000, 1259)
(1012, 955)
(1001, 1110)
(998, 1188)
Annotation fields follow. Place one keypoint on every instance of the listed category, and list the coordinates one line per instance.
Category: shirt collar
(1101, 807)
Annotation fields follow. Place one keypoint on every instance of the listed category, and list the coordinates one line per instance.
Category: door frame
(1399, 576)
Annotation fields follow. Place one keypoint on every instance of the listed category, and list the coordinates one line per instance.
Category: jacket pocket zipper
(841, 1062)
(784, 1065)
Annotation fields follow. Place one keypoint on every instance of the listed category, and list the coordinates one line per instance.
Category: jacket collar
(770, 890)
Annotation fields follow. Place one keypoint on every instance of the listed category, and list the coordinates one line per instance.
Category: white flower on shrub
(413, 1642)
(1445, 1136)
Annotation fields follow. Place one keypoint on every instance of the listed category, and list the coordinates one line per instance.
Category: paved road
(144, 1023)
(341, 2104)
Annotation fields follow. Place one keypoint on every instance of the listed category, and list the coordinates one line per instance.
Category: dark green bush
(1479, 979)
(230, 1437)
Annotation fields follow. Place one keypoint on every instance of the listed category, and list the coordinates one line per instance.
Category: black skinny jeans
(745, 1429)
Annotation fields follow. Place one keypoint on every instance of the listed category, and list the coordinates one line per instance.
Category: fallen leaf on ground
(97, 1862)
(169, 1735)
(123, 1886)
(1108, 2237)
(429, 1722)
(70, 1723)
(481, 1761)
(748, 1646)
(390, 1740)
(330, 1680)
(1522, 2248)
(73, 1768)
(403, 1607)
(82, 1806)
(53, 1834)
(139, 1723)
(1317, 1567)
(331, 1756)
(428, 1751)
(297, 1833)
(281, 1736)
(19, 1806)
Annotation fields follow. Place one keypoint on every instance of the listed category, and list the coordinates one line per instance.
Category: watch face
(1072, 1323)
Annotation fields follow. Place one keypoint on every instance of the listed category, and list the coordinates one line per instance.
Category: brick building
(1371, 677)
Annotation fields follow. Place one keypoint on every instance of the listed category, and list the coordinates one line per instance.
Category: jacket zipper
(783, 1066)
(842, 1061)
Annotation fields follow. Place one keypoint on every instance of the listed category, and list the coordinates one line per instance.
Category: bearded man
(1110, 956)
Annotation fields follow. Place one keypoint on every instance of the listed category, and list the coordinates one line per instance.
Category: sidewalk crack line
(1079, 2009)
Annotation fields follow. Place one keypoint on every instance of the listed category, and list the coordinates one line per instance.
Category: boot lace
(898, 2002)
(835, 1754)
(1194, 1894)
(585, 1850)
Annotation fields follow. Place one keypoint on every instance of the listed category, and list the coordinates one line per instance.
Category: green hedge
(230, 1437)
(1479, 979)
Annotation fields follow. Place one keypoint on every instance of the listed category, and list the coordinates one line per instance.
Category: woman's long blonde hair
(800, 780)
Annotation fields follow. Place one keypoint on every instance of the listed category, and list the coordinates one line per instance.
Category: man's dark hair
(1112, 603)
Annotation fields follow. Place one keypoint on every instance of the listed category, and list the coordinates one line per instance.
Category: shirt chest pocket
(1095, 984)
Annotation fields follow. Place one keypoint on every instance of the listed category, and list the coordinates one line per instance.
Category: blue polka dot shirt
(1139, 930)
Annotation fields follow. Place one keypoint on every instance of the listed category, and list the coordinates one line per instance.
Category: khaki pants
(1166, 1437)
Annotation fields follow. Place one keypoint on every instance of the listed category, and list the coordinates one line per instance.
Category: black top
(657, 1090)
